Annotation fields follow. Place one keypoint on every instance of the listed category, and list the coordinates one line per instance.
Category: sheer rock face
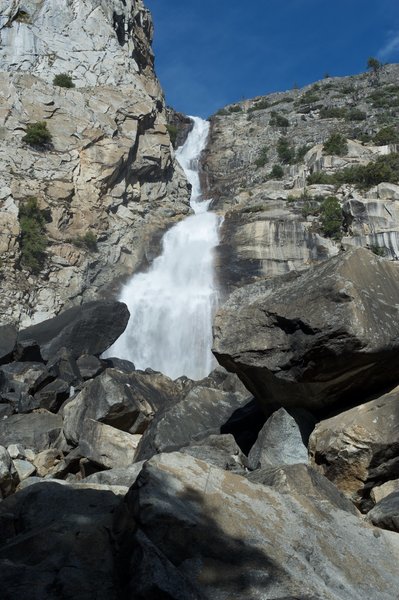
(109, 169)
(322, 339)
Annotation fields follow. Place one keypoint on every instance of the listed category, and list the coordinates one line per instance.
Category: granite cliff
(272, 161)
(103, 188)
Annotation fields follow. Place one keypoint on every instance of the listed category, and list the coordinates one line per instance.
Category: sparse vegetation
(285, 151)
(22, 16)
(37, 134)
(87, 241)
(384, 169)
(386, 135)
(301, 151)
(277, 172)
(373, 64)
(33, 240)
(278, 120)
(378, 250)
(332, 113)
(260, 105)
(336, 145)
(222, 112)
(173, 131)
(262, 159)
(331, 217)
(63, 80)
(234, 109)
(355, 114)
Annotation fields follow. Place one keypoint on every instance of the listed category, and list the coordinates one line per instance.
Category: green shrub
(386, 135)
(277, 172)
(384, 169)
(260, 105)
(235, 109)
(88, 241)
(285, 151)
(37, 134)
(373, 64)
(320, 178)
(33, 240)
(63, 80)
(378, 250)
(173, 131)
(354, 114)
(278, 120)
(331, 217)
(332, 113)
(262, 158)
(301, 151)
(336, 145)
(222, 112)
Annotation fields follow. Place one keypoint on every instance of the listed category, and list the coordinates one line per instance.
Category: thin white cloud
(391, 46)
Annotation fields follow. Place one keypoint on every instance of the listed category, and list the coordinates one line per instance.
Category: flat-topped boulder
(87, 329)
(325, 338)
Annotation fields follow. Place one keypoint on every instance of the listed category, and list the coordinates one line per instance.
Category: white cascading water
(172, 305)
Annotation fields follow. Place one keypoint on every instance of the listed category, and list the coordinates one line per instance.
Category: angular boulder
(202, 412)
(279, 443)
(8, 341)
(106, 446)
(125, 401)
(87, 329)
(359, 448)
(324, 338)
(235, 539)
(38, 430)
(8, 475)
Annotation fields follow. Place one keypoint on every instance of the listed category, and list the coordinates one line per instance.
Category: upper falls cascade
(172, 305)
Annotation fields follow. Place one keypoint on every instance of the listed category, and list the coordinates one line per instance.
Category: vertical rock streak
(172, 305)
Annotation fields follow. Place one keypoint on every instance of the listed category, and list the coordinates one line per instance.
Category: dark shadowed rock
(359, 448)
(8, 475)
(38, 430)
(245, 424)
(25, 377)
(125, 401)
(202, 412)
(63, 366)
(55, 543)
(8, 340)
(89, 366)
(87, 329)
(279, 443)
(385, 514)
(52, 396)
(324, 338)
(119, 363)
(236, 539)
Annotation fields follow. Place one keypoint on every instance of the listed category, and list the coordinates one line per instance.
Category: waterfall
(172, 305)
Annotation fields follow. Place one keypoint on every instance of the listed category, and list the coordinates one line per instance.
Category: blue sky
(210, 53)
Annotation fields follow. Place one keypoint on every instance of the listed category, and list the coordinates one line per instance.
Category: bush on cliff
(331, 217)
(37, 134)
(63, 80)
(33, 240)
(336, 145)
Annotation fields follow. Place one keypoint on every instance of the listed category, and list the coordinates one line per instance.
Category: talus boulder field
(322, 339)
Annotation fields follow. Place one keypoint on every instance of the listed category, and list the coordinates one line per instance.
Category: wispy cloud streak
(391, 47)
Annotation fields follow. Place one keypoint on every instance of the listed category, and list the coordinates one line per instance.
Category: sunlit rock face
(109, 169)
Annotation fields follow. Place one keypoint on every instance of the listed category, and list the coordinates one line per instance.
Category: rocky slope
(106, 185)
(261, 153)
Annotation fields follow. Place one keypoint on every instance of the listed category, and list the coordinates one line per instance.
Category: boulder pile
(122, 484)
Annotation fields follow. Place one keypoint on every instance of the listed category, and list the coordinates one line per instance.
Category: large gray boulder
(38, 430)
(87, 329)
(8, 341)
(315, 340)
(359, 448)
(234, 539)
(106, 446)
(202, 412)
